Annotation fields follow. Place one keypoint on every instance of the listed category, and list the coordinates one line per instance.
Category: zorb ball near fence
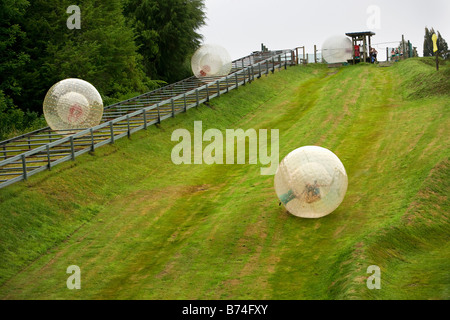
(211, 60)
(73, 104)
(337, 49)
(311, 182)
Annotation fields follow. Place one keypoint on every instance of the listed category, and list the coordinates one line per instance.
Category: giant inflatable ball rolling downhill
(71, 105)
(211, 60)
(311, 182)
(337, 49)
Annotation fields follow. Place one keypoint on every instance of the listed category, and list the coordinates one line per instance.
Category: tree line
(428, 44)
(123, 47)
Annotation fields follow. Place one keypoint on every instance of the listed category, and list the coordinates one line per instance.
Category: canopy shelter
(361, 45)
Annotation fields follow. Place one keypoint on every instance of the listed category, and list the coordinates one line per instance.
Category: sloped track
(34, 152)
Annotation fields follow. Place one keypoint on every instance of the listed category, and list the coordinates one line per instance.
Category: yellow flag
(434, 38)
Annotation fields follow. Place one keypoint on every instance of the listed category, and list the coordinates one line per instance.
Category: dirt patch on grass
(338, 231)
(232, 283)
(168, 268)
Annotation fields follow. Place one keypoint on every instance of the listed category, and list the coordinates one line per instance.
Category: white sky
(242, 25)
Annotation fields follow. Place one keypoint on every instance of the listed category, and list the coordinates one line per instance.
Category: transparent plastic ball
(211, 60)
(337, 49)
(311, 182)
(73, 104)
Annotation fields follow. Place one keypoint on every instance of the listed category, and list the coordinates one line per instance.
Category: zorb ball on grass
(337, 49)
(311, 182)
(211, 60)
(73, 104)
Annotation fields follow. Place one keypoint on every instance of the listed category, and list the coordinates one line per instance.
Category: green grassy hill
(140, 227)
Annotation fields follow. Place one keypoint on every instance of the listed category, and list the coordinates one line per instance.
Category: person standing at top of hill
(373, 55)
(357, 52)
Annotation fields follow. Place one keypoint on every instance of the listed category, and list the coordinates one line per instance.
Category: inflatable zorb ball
(337, 49)
(73, 104)
(311, 182)
(211, 61)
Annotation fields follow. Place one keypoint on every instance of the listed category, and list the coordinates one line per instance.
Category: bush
(14, 121)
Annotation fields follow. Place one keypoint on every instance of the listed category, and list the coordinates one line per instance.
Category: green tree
(102, 52)
(428, 44)
(167, 34)
(14, 121)
(13, 59)
(12, 55)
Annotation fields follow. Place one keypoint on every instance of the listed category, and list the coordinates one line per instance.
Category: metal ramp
(34, 152)
(385, 64)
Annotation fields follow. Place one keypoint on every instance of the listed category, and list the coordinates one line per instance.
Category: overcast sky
(242, 25)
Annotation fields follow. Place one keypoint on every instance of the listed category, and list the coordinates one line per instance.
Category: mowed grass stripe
(214, 232)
